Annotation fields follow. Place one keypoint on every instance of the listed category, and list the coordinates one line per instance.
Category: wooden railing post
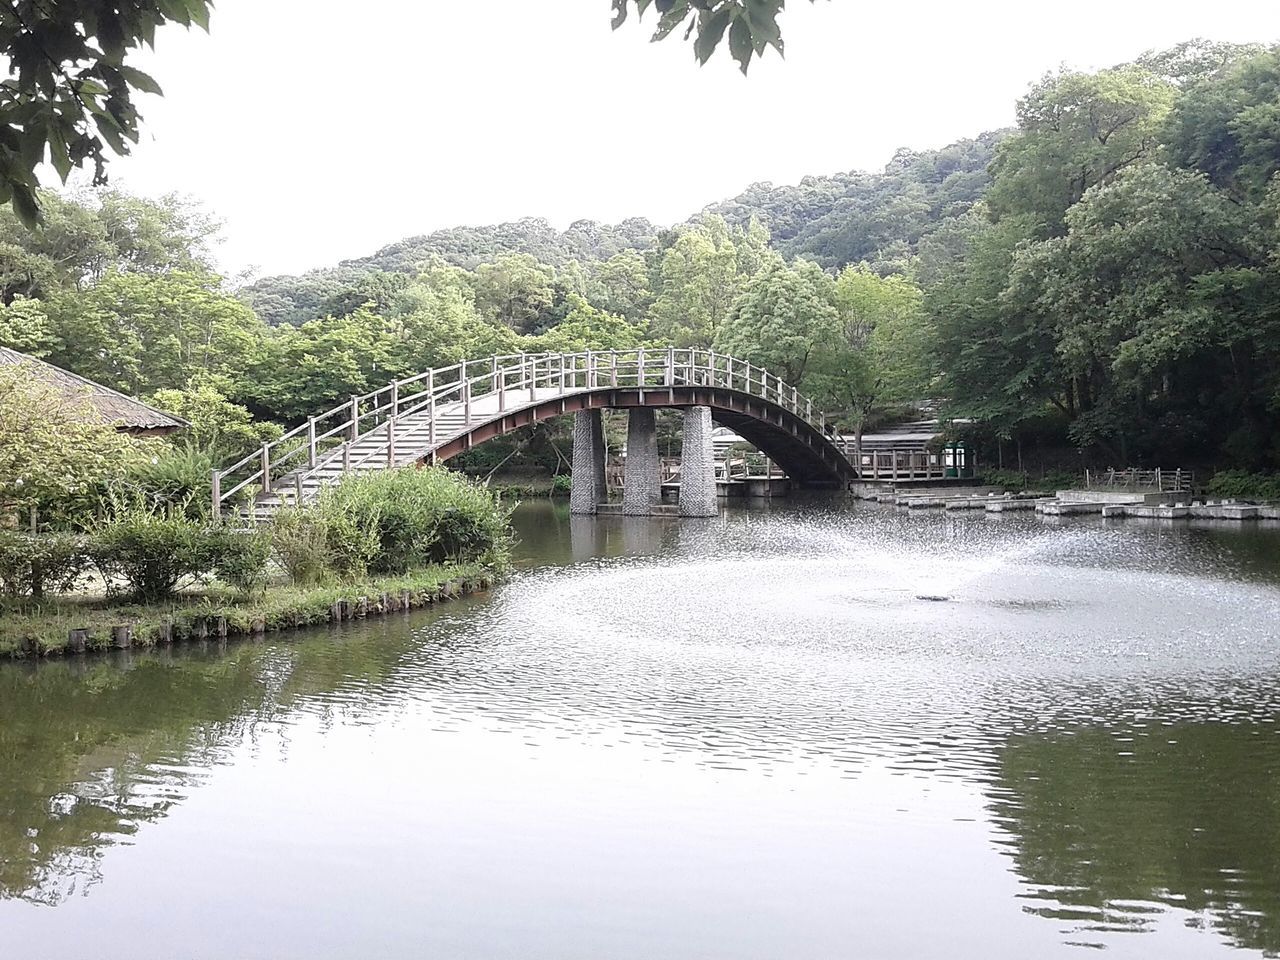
(532, 369)
(391, 443)
(216, 486)
(355, 417)
(500, 384)
(311, 442)
(431, 407)
(591, 370)
(671, 366)
(613, 368)
(563, 385)
(266, 468)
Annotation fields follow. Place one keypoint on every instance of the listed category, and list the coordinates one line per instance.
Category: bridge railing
(369, 426)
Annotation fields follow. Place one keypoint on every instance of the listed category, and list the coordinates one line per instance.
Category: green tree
(1228, 125)
(443, 326)
(224, 430)
(702, 272)
(69, 93)
(622, 286)
(25, 326)
(142, 332)
(515, 290)
(82, 237)
(587, 328)
(876, 351)
(1076, 130)
(301, 371)
(997, 366)
(56, 457)
(782, 319)
(1139, 294)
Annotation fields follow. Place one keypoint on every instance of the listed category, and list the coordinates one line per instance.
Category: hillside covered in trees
(835, 220)
(1105, 278)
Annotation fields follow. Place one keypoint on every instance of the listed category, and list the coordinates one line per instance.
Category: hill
(834, 220)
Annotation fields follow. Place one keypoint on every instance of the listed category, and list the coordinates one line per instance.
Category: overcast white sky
(319, 130)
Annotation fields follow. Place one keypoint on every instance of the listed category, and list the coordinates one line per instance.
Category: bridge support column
(697, 465)
(587, 489)
(642, 485)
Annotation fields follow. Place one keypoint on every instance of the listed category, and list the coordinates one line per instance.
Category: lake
(810, 729)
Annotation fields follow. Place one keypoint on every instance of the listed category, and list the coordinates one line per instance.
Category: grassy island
(143, 573)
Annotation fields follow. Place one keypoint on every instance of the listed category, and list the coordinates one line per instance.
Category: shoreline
(74, 629)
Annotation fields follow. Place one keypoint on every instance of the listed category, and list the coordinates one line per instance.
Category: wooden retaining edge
(125, 636)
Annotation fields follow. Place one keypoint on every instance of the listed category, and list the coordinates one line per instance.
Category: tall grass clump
(418, 517)
(149, 551)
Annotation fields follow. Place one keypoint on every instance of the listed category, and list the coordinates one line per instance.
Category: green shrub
(151, 549)
(561, 483)
(240, 556)
(300, 544)
(1240, 484)
(352, 542)
(174, 479)
(30, 564)
(1018, 481)
(419, 517)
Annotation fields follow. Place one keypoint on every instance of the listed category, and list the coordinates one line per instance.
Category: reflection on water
(745, 736)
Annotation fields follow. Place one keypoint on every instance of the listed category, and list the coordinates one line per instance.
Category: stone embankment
(1071, 503)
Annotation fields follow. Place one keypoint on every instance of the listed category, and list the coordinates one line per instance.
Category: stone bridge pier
(642, 483)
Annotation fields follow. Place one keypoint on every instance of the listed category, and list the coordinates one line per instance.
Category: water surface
(744, 737)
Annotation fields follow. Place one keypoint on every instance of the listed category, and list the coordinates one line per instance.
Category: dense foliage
(56, 462)
(1103, 279)
(419, 517)
(69, 93)
(1125, 269)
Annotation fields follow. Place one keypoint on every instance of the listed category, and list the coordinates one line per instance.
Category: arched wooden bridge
(435, 415)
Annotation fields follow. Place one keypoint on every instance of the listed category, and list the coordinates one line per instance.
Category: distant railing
(330, 437)
(1135, 480)
(899, 465)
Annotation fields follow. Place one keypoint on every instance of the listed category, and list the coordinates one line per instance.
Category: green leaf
(740, 43)
(710, 32)
(199, 13)
(142, 81)
(25, 204)
(58, 154)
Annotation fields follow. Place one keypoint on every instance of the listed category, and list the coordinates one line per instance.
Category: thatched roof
(108, 406)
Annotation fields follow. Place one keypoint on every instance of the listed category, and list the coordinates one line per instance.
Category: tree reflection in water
(92, 750)
(1107, 827)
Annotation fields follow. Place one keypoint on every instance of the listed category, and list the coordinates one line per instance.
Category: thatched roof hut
(108, 406)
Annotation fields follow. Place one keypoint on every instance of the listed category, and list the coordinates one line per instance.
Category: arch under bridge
(435, 415)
